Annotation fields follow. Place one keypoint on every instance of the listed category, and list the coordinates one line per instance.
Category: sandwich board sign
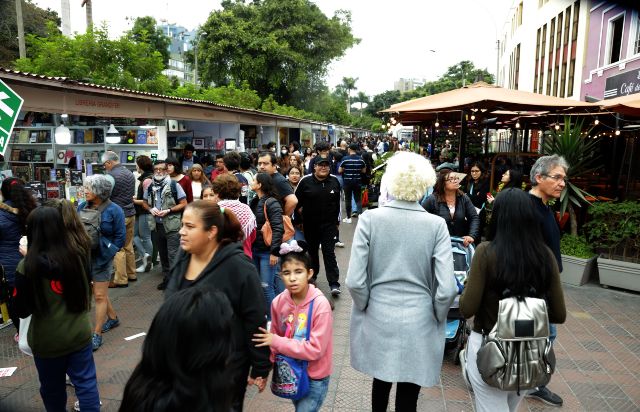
(10, 105)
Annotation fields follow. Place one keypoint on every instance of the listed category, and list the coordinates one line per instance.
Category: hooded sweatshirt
(231, 272)
(288, 324)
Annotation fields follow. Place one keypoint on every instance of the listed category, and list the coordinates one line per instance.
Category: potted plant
(614, 232)
(579, 262)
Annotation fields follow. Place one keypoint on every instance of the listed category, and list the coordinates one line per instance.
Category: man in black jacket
(319, 203)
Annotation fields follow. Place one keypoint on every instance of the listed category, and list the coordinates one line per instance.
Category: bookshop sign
(10, 105)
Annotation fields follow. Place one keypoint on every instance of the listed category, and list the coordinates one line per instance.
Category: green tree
(281, 47)
(93, 57)
(145, 30)
(35, 22)
(383, 101)
(348, 84)
(363, 99)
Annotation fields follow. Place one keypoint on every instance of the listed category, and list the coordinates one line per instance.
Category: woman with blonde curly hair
(399, 254)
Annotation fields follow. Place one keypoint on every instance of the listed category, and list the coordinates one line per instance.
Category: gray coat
(400, 254)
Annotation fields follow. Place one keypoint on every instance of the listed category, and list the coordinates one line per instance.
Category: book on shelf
(98, 136)
(141, 136)
(97, 169)
(76, 194)
(130, 137)
(59, 175)
(127, 156)
(60, 157)
(23, 136)
(79, 136)
(15, 154)
(42, 174)
(48, 156)
(38, 190)
(152, 136)
(22, 172)
(33, 137)
(75, 177)
(44, 136)
(88, 136)
(53, 190)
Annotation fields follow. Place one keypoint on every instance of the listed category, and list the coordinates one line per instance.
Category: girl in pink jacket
(289, 325)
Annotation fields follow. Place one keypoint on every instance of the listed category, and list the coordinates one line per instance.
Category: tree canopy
(145, 30)
(280, 47)
(35, 22)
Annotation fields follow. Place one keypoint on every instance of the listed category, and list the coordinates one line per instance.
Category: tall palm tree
(362, 98)
(89, 10)
(349, 83)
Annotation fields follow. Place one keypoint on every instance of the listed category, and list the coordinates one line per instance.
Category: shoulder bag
(267, 233)
(290, 378)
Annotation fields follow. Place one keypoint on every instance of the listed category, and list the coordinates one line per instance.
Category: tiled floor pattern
(598, 351)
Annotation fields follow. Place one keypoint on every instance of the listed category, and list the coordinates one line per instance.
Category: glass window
(615, 33)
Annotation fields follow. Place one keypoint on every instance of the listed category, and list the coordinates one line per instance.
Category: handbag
(290, 378)
(23, 343)
(267, 233)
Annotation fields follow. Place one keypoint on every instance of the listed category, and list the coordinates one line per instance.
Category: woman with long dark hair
(477, 189)
(266, 257)
(211, 257)
(16, 206)
(523, 266)
(189, 373)
(448, 202)
(142, 229)
(512, 178)
(53, 285)
(175, 171)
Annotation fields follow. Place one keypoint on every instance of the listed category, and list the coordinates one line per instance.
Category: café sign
(622, 84)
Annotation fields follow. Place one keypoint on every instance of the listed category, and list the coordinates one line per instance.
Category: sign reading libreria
(10, 105)
(622, 84)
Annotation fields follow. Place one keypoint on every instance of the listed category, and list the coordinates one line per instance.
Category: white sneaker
(339, 244)
(76, 406)
(346, 220)
(145, 265)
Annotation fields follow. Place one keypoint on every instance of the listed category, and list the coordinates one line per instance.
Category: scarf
(8, 208)
(243, 213)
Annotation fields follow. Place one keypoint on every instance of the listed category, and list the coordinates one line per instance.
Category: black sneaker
(335, 291)
(162, 285)
(545, 395)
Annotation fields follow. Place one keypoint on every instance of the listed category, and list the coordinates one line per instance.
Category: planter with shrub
(614, 232)
(579, 262)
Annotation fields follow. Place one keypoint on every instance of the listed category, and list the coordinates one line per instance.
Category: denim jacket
(112, 233)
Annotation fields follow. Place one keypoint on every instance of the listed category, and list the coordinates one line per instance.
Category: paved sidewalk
(598, 351)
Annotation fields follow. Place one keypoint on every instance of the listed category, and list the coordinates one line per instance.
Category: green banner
(10, 105)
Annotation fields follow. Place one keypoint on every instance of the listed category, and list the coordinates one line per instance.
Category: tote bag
(23, 343)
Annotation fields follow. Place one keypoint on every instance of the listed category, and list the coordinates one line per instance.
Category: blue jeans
(142, 235)
(317, 392)
(82, 371)
(269, 277)
(553, 332)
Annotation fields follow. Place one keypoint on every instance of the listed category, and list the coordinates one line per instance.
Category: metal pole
(20, 23)
(195, 52)
(463, 137)
(497, 62)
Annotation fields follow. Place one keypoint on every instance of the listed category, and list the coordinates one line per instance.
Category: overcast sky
(399, 38)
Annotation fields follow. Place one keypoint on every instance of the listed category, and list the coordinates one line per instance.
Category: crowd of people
(239, 282)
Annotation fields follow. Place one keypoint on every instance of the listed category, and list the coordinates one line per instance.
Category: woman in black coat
(211, 257)
(477, 189)
(448, 202)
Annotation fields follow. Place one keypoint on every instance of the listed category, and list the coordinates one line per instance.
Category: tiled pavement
(598, 351)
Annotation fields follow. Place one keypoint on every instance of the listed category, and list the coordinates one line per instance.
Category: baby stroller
(456, 330)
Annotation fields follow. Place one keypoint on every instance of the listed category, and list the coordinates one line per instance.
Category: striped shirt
(352, 166)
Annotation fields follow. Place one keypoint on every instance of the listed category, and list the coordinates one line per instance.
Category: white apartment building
(542, 49)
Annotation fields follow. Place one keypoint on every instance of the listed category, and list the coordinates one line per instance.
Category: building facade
(542, 48)
(612, 66)
(406, 85)
(181, 42)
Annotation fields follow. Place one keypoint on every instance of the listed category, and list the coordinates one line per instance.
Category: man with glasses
(548, 180)
(165, 200)
(267, 163)
(122, 195)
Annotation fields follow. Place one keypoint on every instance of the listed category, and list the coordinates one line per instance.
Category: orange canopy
(485, 97)
(627, 105)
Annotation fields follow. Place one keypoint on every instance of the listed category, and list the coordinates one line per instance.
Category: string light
(617, 132)
(596, 122)
(557, 126)
(517, 124)
(473, 117)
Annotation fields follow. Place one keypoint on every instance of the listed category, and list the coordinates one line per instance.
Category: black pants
(324, 235)
(406, 396)
(355, 190)
(240, 373)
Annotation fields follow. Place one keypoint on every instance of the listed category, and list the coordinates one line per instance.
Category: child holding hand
(289, 323)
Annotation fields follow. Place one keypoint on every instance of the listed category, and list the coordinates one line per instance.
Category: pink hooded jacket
(319, 349)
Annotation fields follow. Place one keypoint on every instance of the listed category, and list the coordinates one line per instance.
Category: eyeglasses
(558, 178)
(159, 169)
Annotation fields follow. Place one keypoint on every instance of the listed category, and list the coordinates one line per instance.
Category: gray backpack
(91, 219)
(517, 353)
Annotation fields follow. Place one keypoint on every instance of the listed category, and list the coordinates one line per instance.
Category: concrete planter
(577, 271)
(619, 274)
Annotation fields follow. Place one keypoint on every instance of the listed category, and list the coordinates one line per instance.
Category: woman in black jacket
(266, 257)
(477, 189)
(211, 257)
(448, 202)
